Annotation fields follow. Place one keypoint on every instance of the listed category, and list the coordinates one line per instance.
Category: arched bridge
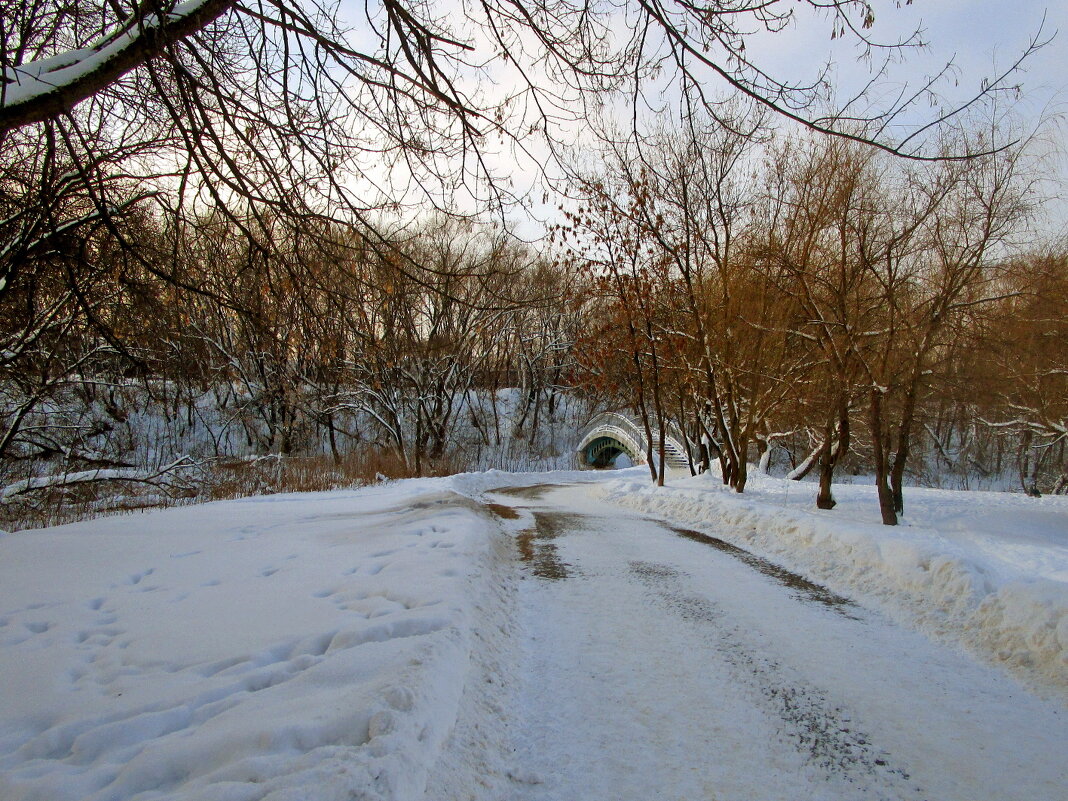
(610, 434)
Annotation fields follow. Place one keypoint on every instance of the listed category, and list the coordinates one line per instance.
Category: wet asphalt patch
(531, 493)
(502, 511)
(536, 548)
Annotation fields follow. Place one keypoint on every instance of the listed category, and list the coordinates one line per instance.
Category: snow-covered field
(366, 644)
(985, 569)
(271, 648)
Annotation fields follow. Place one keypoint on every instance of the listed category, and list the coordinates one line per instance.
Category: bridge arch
(603, 450)
(610, 434)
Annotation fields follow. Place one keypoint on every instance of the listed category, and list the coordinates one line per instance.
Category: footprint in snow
(381, 724)
(370, 570)
(320, 645)
(136, 578)
(352, 606)
(400, 698)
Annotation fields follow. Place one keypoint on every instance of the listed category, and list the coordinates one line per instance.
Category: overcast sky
(981, 37)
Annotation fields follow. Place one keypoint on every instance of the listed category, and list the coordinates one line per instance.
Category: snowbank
(988, 570)
(267, 649)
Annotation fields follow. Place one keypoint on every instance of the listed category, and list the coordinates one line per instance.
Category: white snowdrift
(988, 570)
(268, 649)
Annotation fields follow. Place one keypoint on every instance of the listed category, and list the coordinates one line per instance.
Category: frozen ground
(436, 640)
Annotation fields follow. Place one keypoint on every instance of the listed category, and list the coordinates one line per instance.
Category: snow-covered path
(438, 640)
(665, 664)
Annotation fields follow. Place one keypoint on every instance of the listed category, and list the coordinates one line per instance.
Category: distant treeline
(820, 308)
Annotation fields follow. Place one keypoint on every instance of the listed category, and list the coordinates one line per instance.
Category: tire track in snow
(711, 674)
(818, 729)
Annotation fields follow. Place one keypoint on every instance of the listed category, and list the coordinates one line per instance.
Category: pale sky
(980, 36)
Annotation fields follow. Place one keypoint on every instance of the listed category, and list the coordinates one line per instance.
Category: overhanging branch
(45, 89)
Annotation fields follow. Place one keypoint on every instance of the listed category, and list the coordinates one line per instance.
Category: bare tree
(820, 195)
(279, 105)
(275, 110)
(1025, 369)
(931, 253)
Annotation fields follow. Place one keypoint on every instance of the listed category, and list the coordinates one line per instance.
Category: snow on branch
(162, 477)
(807, 463)
(46, 88)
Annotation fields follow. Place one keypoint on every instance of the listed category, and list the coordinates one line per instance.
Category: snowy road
(437, 640)
(659, 663)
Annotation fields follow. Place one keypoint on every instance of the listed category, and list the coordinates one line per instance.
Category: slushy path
(666, 664)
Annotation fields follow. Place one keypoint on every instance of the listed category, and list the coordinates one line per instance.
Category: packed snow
(986, 569)
(250, 649)
(403, 641)
(663, 662)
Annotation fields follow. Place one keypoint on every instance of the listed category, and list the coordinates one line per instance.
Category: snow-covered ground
(663, 662)
(985, 569)
(251, 649)
(404, 641)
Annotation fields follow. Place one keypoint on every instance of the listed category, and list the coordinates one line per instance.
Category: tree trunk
(835, 448)
(904, 444)
(741, 469)
(879, 453)
(706, 439)
(764, 448)
(643, 413)
(661, 454)
(741, 476)
(658, 401)
(333, 439)
(803, 469)
(824, 498)
(417, 443)
(660, 432)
